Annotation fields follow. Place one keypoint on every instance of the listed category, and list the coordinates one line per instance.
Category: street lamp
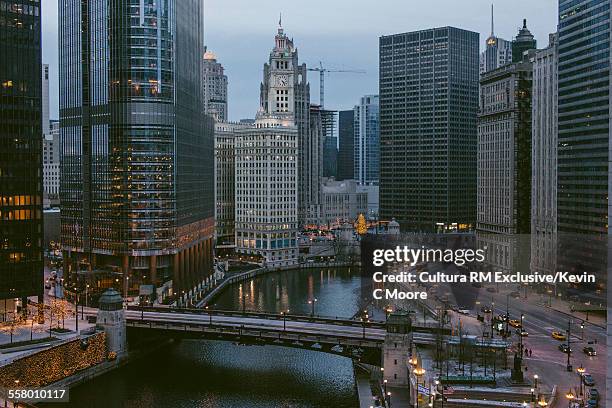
(581, 370)
(311, 302)
(570, 397)
(535, 381)
(389, 399)
(418, 372)
(532, 395)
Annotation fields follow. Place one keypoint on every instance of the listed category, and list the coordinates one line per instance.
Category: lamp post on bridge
(312, 302)
(284, 314)
(209, 316)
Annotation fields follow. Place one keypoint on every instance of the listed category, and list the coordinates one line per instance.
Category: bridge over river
(360, 340)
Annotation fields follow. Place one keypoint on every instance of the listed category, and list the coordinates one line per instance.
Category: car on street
(515, 294)
(592, 403)
(565, 348)
(587, 379)
(594, 394)
(514, 323)
(522, 332)
(558, 335)
(463, 311)
(485, 309)
(492, 289)
(589, 351)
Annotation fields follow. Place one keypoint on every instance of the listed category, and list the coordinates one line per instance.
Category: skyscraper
(330, 143)
(544, 158)
(367, 140)
(137, 149)
(215, 87)
(428, 109)
(504, 150)
(498, 52)
(21, 235)
(267, 163)
(280, 73)
(346, 140)
(584, 117)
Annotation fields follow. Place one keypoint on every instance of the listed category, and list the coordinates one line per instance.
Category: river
(203, 373)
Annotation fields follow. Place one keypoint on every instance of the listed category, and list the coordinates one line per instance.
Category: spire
(492, 22)
(280, 20)
(524, 23)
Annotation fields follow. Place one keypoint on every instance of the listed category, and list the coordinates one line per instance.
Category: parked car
(592, 403)
(558, 335)
(463, 311)
(588, 380)
(565, 348)
(594, 394)
(589, 351)
(515, 294)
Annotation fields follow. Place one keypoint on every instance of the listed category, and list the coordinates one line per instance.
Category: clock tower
(282, 77)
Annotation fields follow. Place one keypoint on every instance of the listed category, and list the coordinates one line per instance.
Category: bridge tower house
(396, 349)
(111, 317)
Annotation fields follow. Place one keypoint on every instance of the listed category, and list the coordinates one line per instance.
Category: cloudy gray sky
(340, 33)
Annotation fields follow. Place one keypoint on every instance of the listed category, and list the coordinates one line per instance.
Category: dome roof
(111, 300)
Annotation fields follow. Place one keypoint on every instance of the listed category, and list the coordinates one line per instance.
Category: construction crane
(322, 72)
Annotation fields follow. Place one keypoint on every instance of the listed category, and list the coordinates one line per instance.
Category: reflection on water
(198, 373)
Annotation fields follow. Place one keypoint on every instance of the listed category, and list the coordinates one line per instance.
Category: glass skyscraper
(137, 149)
(584, 116)
(428, 110)
(367, 140)
(346, 140)
(21, 228)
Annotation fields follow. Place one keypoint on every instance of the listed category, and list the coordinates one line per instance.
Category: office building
(544, 158)
(346, 141)
(497, 53)
(21, 224)
(225, 183)
(330, 143)
(342, 201)
(287, 75)
(214, 81)
(46, 129)
(51, 166)
(504, 150)
(367, 140)
(428, 111)
(267, 163)
(137, 149)
(584, 117)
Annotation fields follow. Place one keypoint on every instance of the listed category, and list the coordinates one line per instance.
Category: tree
(361, 227)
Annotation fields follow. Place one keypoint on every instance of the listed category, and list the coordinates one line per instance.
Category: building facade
(428, 109)
(584, 117)
(367, 140)
(51, 166)
(330, 143)
(342, 201)
(225, 182)
(544, 157)
(21, 224)
(346, 142)
(214, 81)
(267, 163)
(504, 150)
(283, 73)
(137, 149)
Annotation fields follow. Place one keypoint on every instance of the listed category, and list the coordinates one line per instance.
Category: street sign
(423, 390)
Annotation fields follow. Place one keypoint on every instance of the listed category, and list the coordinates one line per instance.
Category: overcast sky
(342, 34)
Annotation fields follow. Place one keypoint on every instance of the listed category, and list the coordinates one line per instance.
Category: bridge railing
(262, 315)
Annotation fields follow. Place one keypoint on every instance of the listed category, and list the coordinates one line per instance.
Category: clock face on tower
(282, 80)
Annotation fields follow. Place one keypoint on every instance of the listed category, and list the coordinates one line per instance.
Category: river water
(203, 373)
